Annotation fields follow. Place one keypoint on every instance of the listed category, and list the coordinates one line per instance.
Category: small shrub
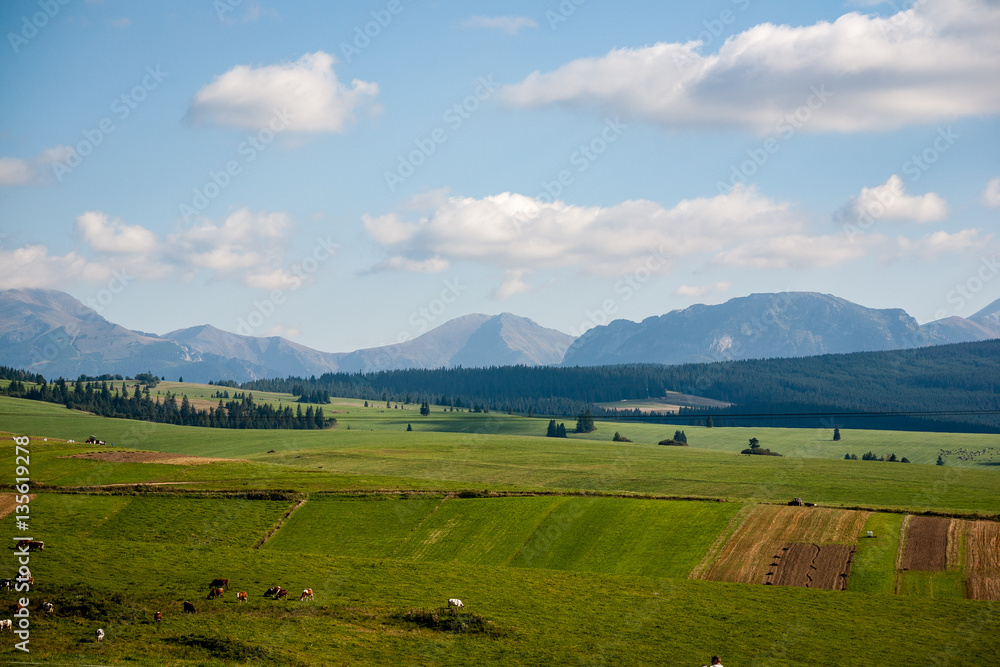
(619, 438)
(672, 443)
(449, 619)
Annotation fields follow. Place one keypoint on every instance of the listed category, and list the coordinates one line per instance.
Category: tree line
(108, 400)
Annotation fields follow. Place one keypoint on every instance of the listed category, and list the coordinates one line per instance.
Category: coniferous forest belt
(940, 388)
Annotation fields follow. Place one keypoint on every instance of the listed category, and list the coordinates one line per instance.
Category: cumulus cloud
(306, 90)
(33, 266)
(701, 290)
(513, 283)
(32, 171)
(941, 242)
(114, 236)
(991, 195)
(509, 24)
(936, 60)
(522, 234)
(890, 202)
(245, 246)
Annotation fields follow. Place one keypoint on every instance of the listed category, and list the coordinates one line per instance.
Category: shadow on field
(222, 647)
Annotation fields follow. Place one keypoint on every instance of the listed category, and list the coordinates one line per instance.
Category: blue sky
(274, 170)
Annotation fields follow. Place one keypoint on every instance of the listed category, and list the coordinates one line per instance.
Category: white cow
(48, 607)
(456, 603)
(6, 624)
(100, 634)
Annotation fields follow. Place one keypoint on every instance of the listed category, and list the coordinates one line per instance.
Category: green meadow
(573, 551)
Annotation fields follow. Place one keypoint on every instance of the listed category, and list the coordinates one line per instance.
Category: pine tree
(940, 460)
(551, 432)
(409, 427)
(561, 431)
(836, 434)
(425, 409)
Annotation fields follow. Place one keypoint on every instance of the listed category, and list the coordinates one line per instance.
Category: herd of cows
(218, 588)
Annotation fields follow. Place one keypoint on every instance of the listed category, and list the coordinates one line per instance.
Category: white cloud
(115, 237)
(509, 24)
(513, 283)
(521, 234)
(32, 266)
(242, 242)
(890, 202)
(398, 263)
(33, 171)
(936, 60)
(307, 90)
(991, 195)
(941, 242)
(701, 290)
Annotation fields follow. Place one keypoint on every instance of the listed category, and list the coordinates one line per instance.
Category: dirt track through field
(747, 556)
(982, 560)
(812, 566)
(149, 457)
(926, 545)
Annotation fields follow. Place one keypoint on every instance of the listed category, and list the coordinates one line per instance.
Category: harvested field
(149, 457)
(812, 566)
(747, 556)
(982, 560)
(926, 544)
(7, 503)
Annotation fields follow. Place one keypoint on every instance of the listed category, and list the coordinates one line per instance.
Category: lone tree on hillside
(680, 436)
(409, 427)
(425, 409)
(551, 431)
(836, 433)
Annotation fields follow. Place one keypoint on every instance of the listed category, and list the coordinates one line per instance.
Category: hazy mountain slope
(787, 324)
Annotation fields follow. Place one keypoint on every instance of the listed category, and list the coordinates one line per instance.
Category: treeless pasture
(748, 555)
(982, 560)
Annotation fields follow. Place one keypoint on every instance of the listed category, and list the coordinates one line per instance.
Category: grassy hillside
(565, 578)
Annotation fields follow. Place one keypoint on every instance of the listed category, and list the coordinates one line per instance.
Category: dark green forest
(940, 388)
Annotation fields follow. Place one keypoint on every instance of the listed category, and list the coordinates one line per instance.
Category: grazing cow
(307, 594)
(456, 603)
(7, 583)
(158, 616)
(99, 634)
(36, 545)
(216, 593)
(273, 590)
(7, 624)
(188, 607)
(283, 593)
(18, 606)
(219, 583)
(48, 607)
(241, 596)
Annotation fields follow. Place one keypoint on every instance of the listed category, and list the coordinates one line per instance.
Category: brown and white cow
(273, 590)
(241, 596)
(6, 624)
(158, 616)
(307, 594)
(283, 593)
(216, 593)
(219, 583)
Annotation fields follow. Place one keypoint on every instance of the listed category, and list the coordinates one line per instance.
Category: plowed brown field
(982, 560)
(926, 544)
(812, 566)
(7, 503)
(747, 556)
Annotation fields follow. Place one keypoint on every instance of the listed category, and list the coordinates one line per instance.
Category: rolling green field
(572, 548)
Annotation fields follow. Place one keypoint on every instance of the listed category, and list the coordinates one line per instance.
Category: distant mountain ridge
(52, 333)
(760, 326)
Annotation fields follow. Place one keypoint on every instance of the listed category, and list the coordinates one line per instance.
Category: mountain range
(52, 333)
